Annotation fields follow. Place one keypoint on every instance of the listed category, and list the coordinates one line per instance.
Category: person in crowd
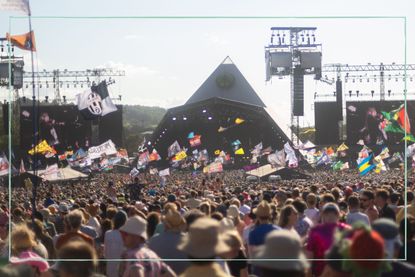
(77, 249)
(236, 257)
(234, 213)
(42, 237)
(312, 212)
(134, 236)
(113, 244)
(367, 200)
(321, 236)
(410, 239)
(49, 226)
(288, 218)
(93, 210)
(193, 202)
(303, 224)
(4, 234)
(153, 220)
(165, 244)
(73, 222)
(59, 220)
(354, 213)
(381, 200)
(410, 208)
(282, 244)
(203, 241)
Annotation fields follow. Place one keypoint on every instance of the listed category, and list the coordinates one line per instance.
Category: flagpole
(34, 114)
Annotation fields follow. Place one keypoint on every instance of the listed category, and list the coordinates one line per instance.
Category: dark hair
(369, 194)
(395, 197)
(410, 227)
(153, 219)
(299, 205)
(328, 198)
(265, 272)
(284, 215)
(77, 250)
(119, 219)
(191, 216)
(382, 193)
(410, 196)
(353, 201)
(217, 215)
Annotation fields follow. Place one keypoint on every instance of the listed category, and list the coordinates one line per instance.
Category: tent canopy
(63, 174)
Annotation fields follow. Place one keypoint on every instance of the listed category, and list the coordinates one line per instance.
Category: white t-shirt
(312, 214)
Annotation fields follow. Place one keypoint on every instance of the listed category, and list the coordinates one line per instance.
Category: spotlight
(184, 118)
(149, 143)
(174, 118)
(164, 132)
(210, 118)
(204, 111)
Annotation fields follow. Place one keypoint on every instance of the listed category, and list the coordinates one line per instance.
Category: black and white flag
(95, 102)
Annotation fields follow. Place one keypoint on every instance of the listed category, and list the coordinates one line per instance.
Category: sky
(166, 60)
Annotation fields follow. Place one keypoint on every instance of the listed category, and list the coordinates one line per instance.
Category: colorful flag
(338, 165)
(15, 5)
(180, 156)
(41, 148)
(24, 41)
(195, 141)
(290, 155)
(324, 159)
(384, 154)
(164, 172)
(380, 165)
(397, 121)
(191, 135)
(154, 156)
(174, 149)
(95, 102)
(22, 167)
(240, 151)
(365, 166)
(342, 147)
(134, 172)
(123, 154)
(217, 152)
(4, 165)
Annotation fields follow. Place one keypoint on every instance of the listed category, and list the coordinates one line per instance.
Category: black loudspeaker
(298, 101)
(326, 124)
(339, 99)
(5, 109)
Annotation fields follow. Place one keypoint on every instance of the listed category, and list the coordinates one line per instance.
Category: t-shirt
(353, 217)
(258, 234)
(135, 191)
(238, 264)
(387, 212)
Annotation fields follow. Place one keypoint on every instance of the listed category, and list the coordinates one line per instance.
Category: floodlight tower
(293, 52)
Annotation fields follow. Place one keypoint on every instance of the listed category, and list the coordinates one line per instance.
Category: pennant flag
(154, 156)
(239, 121)
(41, 148)
(22, 167)
(173, 149)
(24, 42)
(330, 151)
(338, 165)
(95, 102)
(15, 5)
(342, 147)
(217, 152)
(364, 166)
(164, 172)
(222, 129)
(195, 141)
(191, 135)
(240, 151)
(4, 165)
(180, 156)
(291, 158)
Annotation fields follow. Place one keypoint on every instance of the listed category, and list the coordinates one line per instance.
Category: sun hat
(63, 208)
(135, 225)
(203, 239)
(32, 259)
(281, 244)
(245, 209)
(263, 209)
(390, 233)
(174, 220)
(233, 211)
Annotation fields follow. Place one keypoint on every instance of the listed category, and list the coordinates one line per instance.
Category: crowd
(334, 224)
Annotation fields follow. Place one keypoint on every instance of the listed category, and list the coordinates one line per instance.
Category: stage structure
(223, 110)
(293, 52)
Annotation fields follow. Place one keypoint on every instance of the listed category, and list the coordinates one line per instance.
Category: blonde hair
(22, 238)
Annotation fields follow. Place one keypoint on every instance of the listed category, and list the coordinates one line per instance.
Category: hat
(281, 244)
(135, 225)
(263, 209)
(203, 239)
(233, 211)
(63, 208)
(245, 209)
(331, 207)
(390, 233)
(173, 220)
(226, 224)
(32, 259)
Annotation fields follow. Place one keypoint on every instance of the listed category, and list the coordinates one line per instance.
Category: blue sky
(166, 60)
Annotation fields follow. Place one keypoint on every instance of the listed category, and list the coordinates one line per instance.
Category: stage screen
(60, 126)
(366, 122)
(326, 124)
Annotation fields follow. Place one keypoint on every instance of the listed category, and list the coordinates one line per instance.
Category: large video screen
(60, 126)
(366, 121)
(326, 123)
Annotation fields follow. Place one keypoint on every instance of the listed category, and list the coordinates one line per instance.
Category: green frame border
(213, 17)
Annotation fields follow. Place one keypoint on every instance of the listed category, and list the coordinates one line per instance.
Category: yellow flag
(342, 147)
(240, 151)
(239, 120)
(217, 152)
(41, 148)
(180, 156)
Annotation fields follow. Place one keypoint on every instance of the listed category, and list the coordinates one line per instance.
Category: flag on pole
(22, 168)
(291, 158)
(342, 147)
(164, 172)
(338, 165)
(180, 156)
(365, 166)
(24, 41)
(380, 165)
(95, 102)
(41, 148)
(240, 151)
(15, 5)
(173, 149)
(239, 121)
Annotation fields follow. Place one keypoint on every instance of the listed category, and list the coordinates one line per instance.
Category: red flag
(403, 120)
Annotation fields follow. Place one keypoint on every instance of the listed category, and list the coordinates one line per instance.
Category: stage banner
(107, 148)
(164, 172)
(213, 168)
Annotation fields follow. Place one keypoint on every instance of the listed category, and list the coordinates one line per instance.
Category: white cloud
(132, 37)
(131, 69)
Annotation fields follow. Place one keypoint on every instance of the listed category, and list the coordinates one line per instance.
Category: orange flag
(25, 41)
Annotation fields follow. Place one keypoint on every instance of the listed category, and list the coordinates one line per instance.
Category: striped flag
(365, 166)
(15, 5)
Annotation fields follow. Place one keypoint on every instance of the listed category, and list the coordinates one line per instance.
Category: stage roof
(228, 83)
